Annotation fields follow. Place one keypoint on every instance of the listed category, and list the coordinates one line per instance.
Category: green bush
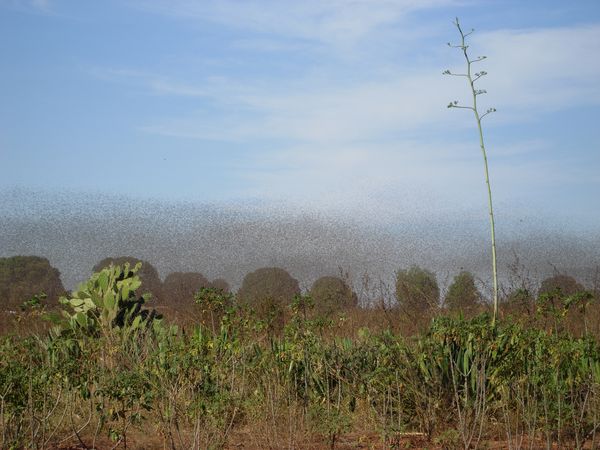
(417, 290)
(462, 294)
(21, 277)
(332, 294)
(269, 291)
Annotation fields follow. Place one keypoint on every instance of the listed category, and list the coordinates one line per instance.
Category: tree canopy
(271, 283)
(268, 290)
(417, 289)
(180, 287)
(462, 294)
(21, 277)
(565, 283)
(332, 293)
(220, 283)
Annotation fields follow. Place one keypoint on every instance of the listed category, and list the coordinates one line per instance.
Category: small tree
(179, 287)
(221, 284)
(268, 282)
(472, 78)
(331, 294)
(462, 294)
(22, 277)
(565, 283)
(268, 291)
(417, 289)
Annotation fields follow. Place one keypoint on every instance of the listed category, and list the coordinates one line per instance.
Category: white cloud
(542, 70)
(347, 137)
(335, 22)
(317, 113)
(530, 73)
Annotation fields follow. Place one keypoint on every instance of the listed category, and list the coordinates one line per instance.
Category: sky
(327, 105)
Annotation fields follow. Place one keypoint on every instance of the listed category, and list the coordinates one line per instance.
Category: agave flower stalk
(472, 77)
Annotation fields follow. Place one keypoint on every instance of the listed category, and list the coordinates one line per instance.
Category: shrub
(417, 289)
(179, 287)
(107, 301)
(462, 294)
(331, 294)
(565, 283)
(22, 277)
(268, 291)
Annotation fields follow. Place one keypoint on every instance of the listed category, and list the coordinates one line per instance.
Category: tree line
(270, 290)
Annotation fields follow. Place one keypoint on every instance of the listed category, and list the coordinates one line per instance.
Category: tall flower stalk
(472, 77)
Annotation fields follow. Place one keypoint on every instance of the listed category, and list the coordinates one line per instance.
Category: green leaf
(81, 319)
(76, 302)
(466, 359)
(136, 322)
(135, 283)
(88, 304)
(103, 280)
(109, 300)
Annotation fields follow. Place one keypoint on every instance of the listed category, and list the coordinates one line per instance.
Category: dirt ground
(241, 441)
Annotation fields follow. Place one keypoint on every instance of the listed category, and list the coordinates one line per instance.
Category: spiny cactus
(108, 301)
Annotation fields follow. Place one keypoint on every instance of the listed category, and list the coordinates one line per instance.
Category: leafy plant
(107, 302)
(110, 368)
(462, 294)
(213, 302)
(332, 294)
(417, 290)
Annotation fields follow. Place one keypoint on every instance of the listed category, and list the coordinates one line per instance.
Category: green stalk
(478, 117)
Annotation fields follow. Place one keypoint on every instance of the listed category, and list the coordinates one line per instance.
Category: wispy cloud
(333, 22)
(531, 72)
(542, 69)
(352, 129)
(153, 83)
(320, 114)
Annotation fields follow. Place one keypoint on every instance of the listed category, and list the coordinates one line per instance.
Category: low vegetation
(110, 372)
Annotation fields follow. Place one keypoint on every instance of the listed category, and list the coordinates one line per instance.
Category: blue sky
(335, 104)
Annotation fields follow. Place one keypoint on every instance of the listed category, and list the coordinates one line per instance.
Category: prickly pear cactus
(107, 301)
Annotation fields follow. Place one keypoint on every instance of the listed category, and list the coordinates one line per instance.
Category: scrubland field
(325, 164)
(272, 367)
